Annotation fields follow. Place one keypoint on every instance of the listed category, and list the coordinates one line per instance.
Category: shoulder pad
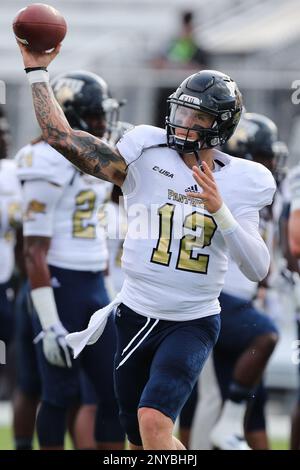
(41, 161)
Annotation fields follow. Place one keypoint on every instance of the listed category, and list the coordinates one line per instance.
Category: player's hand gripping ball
(40, 27)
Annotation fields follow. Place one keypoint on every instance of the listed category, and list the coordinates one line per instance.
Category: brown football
(40, 27)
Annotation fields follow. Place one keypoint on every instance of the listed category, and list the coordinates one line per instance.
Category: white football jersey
(10, 216)
(174, 256)
(62, 203)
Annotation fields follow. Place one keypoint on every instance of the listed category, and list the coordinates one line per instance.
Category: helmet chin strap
(197, 154)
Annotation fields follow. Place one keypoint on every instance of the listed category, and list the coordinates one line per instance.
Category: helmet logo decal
(73, 83)
(231, 87)
(65, 88)
(190, 99)
(64, 94)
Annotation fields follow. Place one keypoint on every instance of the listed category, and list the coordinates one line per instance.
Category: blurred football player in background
(185, 420)
(168, 312)
(66, 256)
(10, 223)
(292, 213)
(247, 336)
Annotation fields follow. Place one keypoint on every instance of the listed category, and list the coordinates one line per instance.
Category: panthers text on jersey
(62, 203)
(174, 257)
(10, 216)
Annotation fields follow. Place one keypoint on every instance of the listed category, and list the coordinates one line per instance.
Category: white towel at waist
(78, 340)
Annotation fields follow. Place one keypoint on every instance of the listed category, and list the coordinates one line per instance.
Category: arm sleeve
(40, 200)
(247, 248)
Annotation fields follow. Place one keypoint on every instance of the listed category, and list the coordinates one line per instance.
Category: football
(40, 27)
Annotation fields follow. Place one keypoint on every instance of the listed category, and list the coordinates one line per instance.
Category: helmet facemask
(107, 114)
(112, 114)
(281, 154)
(189, 129)
(194, 136)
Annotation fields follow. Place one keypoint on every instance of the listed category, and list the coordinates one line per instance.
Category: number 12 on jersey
(186, 261)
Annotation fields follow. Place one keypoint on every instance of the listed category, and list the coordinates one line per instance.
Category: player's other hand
(55, 347)
(210, 194)
(37, 59)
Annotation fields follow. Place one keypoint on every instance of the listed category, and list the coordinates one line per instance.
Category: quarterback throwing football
(168, 311)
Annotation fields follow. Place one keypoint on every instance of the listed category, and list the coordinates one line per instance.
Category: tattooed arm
(90, 154)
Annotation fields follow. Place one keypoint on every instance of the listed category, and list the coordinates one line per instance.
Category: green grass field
(6, 441)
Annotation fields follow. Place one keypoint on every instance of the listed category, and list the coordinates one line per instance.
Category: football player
(248, 337)
(168, 312)
(66, 256)
(293, 216)
(10, 221)
(28, 384)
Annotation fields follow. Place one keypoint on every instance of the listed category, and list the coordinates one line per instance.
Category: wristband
(40, 74)
(31, 69)
(45, 306)
(224, 219)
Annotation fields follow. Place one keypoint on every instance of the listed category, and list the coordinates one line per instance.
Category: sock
(23, 443)
(232, 418)
(238, 393)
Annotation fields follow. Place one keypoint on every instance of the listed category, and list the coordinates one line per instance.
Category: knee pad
(51, 425)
